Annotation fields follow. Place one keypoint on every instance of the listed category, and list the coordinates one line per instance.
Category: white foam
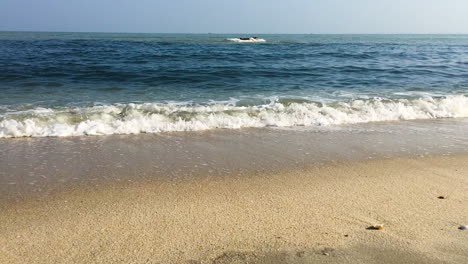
(250, 40)
(153, 117)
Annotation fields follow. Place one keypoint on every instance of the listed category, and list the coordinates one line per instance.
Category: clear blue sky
(237, 16)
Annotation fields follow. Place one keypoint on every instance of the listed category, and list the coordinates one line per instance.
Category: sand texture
(315, 215)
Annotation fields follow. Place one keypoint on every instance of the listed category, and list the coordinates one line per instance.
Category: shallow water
(38, 166)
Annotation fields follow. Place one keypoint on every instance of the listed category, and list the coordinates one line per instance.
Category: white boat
(247, 40)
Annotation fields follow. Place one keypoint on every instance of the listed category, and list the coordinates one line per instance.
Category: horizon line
(228, 33)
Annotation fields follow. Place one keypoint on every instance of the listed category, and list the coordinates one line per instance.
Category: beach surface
(315, 214)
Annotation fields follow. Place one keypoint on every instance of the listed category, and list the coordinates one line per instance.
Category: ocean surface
(72, 84)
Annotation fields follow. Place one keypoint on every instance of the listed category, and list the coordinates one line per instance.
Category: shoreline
(318, 214)
(34, 167)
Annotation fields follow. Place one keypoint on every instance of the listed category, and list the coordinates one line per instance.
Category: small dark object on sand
(463, 227)
(375, 227)
(441, 197)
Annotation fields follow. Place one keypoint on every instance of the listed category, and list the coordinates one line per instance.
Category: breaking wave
(247, 40)
(135, 118)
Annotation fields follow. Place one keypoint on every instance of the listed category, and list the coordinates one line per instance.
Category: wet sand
(39, 166)
(314, 215)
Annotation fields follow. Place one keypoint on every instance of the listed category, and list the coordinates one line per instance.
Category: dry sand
(318, 215)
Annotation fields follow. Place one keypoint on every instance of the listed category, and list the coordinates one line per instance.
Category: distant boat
(250, 39)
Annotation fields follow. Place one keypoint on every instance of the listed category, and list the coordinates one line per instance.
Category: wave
(135, 118)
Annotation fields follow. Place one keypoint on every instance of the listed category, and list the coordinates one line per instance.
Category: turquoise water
(68, 84)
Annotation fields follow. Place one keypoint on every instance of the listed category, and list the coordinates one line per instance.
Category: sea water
(73, 84)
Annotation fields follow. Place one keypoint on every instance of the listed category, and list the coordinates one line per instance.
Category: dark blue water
(45, 74)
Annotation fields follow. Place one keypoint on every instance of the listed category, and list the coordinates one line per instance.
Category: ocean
(74, 84)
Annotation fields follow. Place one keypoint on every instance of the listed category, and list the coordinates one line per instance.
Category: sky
(236, 16)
